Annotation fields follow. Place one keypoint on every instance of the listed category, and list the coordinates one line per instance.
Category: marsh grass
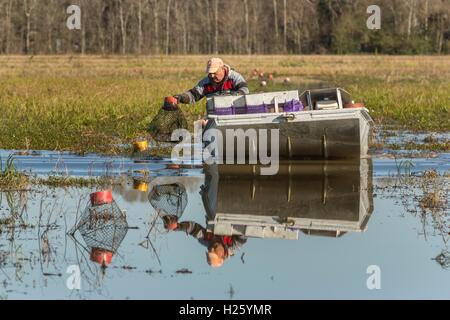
(10, 178)
(78, 182)
(443, 146)
(6, 221)
(95, 103)
(13, 180)
(425, 196)
(435, 193)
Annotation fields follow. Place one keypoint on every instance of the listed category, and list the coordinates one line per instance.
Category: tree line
(224, 27)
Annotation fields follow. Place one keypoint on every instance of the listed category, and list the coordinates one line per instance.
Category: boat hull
(319, 134)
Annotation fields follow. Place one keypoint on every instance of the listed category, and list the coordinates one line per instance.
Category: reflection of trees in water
(425, 196)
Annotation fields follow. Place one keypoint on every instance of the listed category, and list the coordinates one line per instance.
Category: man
(219, 248)
(221, 79)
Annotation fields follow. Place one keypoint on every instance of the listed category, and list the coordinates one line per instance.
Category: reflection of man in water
(220, 248)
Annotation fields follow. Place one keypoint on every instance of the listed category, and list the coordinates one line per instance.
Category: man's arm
(193, 95)
(195, 230)
(239, 83)
(191, 228)
(238, 242)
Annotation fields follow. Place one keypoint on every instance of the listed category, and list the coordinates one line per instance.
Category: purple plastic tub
(289, 106)
(239, 110)
(293, 106)
(261, 108)
(223, 111)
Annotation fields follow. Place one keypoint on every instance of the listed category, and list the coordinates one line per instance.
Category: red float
(101, 256)
(101, 197)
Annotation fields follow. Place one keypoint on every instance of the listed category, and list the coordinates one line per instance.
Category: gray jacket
(233, 82)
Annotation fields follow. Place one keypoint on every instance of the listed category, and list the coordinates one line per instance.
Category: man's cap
(213, 65)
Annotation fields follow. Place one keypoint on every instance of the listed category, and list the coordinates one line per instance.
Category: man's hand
(183, 98)
(170, 222)
(236, 93)
(170, 103)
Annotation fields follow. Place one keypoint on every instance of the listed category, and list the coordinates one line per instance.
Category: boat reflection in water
(317, 197)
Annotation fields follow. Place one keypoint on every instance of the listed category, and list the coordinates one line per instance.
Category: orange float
(354, 105)
(101, 197)
(101, 256)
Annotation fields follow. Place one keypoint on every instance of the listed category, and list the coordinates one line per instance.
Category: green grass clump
(67, 181)
(10, 178)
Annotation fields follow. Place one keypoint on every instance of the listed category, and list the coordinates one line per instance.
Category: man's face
(216, 254)
(217, 76)
(218, 249)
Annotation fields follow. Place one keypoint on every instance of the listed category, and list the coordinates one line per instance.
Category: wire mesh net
(443, 259)
(169, 199)
(165, 122)
(103, 226)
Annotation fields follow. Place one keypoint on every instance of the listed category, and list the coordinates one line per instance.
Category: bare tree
(83, 29)
(275, 21)
(216, 26)
(168, 26)
(28, 6)
(185, 26)
(284, 26)
(208, 23)
(410, 17)
(102, 20)
(139, 26)
(123, 25)
(426, 19)
(8, 25)
(154, 5)
(299, 30)
(247, 28)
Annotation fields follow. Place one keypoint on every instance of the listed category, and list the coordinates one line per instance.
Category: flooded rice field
(372, 228)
